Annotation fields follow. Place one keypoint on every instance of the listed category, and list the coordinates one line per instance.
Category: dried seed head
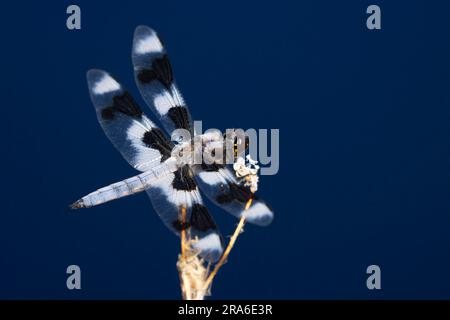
(193, 274)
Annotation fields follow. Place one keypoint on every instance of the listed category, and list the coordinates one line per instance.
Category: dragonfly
(172, 183)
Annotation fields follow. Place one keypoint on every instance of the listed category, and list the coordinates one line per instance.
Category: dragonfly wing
(136, 137)
(179, 190)
(219, 184)
(154, 78)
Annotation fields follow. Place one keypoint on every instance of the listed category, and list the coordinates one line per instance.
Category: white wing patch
(145, 157)
(149, 44)
(137, 129)
(208, 244)
(211, 178)
(168, 99)
(259, 213)
(163, 102)
(105, 84)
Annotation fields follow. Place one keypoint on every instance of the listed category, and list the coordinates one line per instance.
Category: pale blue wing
(177, 190)
(219, 184)
(154, 78)
(137, 138)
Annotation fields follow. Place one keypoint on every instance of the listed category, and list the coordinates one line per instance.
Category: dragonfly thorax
(211, 148)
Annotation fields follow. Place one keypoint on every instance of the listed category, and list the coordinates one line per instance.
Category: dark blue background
(364, 119)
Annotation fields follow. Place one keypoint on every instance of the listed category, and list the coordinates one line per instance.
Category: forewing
(154, 78)
(176, 191)
(137, 138)
(220, 185)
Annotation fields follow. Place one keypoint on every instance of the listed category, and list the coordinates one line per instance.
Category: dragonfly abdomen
(126, 187)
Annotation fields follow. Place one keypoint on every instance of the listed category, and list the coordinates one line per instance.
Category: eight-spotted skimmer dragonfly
(170, 182)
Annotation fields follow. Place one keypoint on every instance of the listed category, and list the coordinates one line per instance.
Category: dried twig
(223, 259)
(195, 278)
(191, 268)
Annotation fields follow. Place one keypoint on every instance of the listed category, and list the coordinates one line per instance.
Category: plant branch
(227, 251)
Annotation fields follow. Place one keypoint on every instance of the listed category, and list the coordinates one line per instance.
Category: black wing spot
(180, 226)
(180, 117)
(146, 76)
(201, 219)
(213, 167)
(108, 113)
(184, 179)
(155, 139)
(161, 70)
(236, 192)
(124, 104)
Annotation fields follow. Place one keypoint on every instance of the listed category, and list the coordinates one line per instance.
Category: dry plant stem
(195, 279)
(183, 233)
(227, 251)
(192, 274)
(190, 268)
